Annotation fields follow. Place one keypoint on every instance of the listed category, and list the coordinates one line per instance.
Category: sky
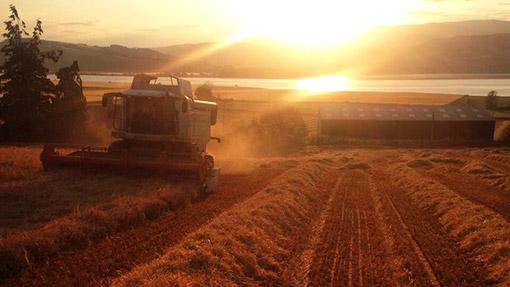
(158, 23)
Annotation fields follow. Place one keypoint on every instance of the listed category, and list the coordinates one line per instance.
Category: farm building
(405, 121)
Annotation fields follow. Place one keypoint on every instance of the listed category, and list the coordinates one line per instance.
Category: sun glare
(318, 23)
(324, 84)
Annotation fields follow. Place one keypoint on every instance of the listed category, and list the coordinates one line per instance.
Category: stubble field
(326, 216)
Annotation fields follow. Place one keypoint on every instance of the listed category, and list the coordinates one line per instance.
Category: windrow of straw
(250, 245)
(84, 226)
(483, 234)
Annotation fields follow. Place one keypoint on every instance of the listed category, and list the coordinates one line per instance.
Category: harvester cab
(158, 126)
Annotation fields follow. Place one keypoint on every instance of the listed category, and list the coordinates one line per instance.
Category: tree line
(32, 107)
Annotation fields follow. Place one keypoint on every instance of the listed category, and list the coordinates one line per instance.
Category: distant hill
(112, 59)
(454, 47)
(258, 57)
(409, 35)
(485, 54)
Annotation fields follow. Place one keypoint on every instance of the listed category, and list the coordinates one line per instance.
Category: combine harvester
(160, 127)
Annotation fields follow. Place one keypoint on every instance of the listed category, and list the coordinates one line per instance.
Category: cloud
(181, 27)
(441, 0)
(494, 14)
(83, 23)
(428, 13)
(168, 28)
(461, 14)
(150, 30)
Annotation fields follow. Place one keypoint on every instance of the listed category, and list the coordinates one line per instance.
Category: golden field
(359, 213)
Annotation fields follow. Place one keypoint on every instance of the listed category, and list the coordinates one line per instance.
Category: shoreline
(471, 76)
(95, 90)
(464, 86)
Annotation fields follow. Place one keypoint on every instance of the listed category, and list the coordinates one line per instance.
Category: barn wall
(377, 129)
(476, 130)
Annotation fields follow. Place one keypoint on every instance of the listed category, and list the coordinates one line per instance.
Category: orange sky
(153, 23)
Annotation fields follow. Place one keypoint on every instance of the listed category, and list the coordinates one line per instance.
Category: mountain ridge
(480, 46)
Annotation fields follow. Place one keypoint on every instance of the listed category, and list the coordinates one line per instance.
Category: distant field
(480, 101)
(95, 90)
(265, 95)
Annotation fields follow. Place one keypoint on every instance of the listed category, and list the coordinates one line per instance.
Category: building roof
(387, 112)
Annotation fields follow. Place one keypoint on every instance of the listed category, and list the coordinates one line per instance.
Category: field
(337, 216)
(356, 214)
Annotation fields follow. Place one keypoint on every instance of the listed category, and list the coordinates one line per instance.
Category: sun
(317, 23)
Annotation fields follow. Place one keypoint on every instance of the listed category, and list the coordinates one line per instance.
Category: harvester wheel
(47, 165)
(48, 151)
(116, 147)
(205, 165)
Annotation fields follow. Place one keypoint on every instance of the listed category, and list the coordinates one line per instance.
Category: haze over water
(478, 87)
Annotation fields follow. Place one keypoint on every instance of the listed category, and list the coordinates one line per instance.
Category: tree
(275, 131)
(70, 103)
(491, 101)
(204, 92)
(27, 92)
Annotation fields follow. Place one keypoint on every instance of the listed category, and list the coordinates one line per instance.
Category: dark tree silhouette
(26, 89)
(204, 92)
(70, 103)
(491, 101)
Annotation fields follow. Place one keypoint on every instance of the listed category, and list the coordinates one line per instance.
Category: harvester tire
(116, 147)
(48, 166)
(205, 165)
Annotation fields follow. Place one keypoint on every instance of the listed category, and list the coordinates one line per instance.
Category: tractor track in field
(299, 267)
(438, 259)
(416, 250)
(351, 246)
(98, 264)
(353, 249)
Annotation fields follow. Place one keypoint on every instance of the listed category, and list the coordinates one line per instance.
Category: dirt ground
(327, 216)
